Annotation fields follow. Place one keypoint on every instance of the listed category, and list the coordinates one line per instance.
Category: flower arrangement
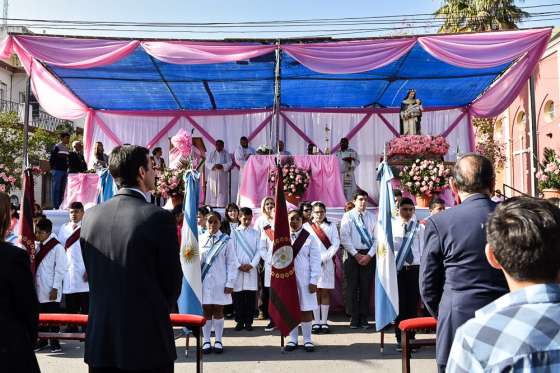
(264, 150)
(417, 145)
(182, 157)
(296, 179)
(7, 181)
(425, 177)
(549, 174)
(170, 183)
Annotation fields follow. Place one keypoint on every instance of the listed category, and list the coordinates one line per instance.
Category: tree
(479, 15)
(486, 144)
(11, 144)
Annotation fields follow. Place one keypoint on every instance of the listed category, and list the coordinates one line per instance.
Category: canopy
(138, 91)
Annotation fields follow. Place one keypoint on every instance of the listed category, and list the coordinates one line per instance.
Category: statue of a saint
(410, 114)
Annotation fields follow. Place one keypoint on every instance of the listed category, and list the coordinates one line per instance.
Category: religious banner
(284, 306)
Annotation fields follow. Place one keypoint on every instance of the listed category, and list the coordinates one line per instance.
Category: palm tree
(479, 15)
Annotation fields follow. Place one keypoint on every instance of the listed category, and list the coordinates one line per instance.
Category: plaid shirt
(518, 332)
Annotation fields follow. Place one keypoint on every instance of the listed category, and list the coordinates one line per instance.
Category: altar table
(325, 185)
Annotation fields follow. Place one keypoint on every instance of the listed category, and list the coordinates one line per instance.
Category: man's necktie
(409, 257)
(293, 235)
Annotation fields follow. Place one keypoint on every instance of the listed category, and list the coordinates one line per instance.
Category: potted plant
(549, 174)
(424, 178)
(296, 181)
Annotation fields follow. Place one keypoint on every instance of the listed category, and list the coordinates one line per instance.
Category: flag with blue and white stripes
(386, 288)
(190, 300)
(106, 188)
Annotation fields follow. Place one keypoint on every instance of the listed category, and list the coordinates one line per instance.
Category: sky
(234, 11)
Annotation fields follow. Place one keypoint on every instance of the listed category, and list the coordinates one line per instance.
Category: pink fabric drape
(189, 52)
(75, 53)
(349, 56)
(88, 135)
(82, 188)
(326, 183)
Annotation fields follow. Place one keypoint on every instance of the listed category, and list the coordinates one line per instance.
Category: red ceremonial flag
(26, 235)
(284, 301)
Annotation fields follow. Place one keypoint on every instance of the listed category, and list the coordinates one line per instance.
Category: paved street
(257, 351)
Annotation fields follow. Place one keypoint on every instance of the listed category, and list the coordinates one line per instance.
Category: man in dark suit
(455, 277)
(131, 255)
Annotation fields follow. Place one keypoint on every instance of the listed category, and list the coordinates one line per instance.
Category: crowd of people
(482, 268)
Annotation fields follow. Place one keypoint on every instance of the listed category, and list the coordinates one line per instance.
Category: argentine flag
(386, 288)
(190, 300)
(106, 188)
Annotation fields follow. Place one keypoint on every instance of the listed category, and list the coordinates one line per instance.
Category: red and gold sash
(269, 232)
(300, 240)
(45, 249)
(322, 235)
(75, 236)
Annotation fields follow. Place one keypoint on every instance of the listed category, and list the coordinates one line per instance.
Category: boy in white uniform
(75, 284)
(246, 241)
(219, 272)
(307, 265)
(50, 268)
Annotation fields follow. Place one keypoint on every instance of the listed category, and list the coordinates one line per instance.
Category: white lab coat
(307, 266)
(223, 272)
(417, 243)
(349, 235)
(50, 273)
(261, 222)
(217, 194)
(74, 278)
(247, 280)
(326, 280)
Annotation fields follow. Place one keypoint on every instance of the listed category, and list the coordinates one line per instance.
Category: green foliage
(549, 174)
(479, 15)
(11, 144)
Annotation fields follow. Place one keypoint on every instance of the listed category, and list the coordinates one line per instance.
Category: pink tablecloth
(81, 188)
(326, 183)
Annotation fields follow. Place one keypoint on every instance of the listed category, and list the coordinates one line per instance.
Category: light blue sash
(244, 244)
(364, 234)
(213, 254)
(405, 248)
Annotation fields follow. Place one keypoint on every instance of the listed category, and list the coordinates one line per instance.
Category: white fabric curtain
(368, 142)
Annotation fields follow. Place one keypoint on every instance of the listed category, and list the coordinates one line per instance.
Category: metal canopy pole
(533, 137)
(26, 125)
(276, 109)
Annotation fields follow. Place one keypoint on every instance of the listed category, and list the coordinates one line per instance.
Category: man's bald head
(474, 173)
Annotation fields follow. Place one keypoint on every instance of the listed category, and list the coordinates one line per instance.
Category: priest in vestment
(348, 161)
(241, 155)
(218, 164)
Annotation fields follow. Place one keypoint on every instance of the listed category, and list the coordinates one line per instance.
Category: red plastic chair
(415, 325)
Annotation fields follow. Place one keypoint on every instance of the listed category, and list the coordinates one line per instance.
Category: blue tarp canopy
(141, 82)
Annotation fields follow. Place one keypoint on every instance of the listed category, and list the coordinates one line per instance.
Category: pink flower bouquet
(7, 180)
(416, 145)
(549, 174)
(296, 179)
(425, 177)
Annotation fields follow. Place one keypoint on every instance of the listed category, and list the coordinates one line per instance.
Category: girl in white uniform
(265, 219)
(219, 272)
(320, 226)
(307, 265)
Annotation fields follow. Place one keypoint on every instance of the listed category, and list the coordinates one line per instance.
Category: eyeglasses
(306, 210)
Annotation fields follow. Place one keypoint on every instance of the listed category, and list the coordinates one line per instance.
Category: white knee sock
(317, 316)
(306, 331)
(207, 331)
(219, 329)
(324, 313)
(294, 335)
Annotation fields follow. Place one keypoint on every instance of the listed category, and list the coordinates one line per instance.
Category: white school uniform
(247, 280)
(349, 235)
(417, 243)
(50, 273)
(308, 269)
(326, 280)
(261, 222)
(74, 278)
(265, 249)
(223, 272)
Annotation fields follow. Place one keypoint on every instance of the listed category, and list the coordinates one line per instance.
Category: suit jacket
(455, 277)
(76, 163)
(19, 311)
(131, 255)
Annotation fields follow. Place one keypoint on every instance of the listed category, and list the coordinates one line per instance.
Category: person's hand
(358, 258)
(84, 277)
(53, 294)
(219, 167)
(348, 159)
(365, 260)
(248, 267)
(228, 290)
(312, 288)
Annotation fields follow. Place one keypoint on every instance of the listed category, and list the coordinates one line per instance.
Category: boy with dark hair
(519, 331)
(408, 241)
(50, 268)
(437, 205)
(246, 241)
(75, 285)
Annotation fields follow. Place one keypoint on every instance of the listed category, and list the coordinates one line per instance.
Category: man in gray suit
(131, 254)
(455, 277)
